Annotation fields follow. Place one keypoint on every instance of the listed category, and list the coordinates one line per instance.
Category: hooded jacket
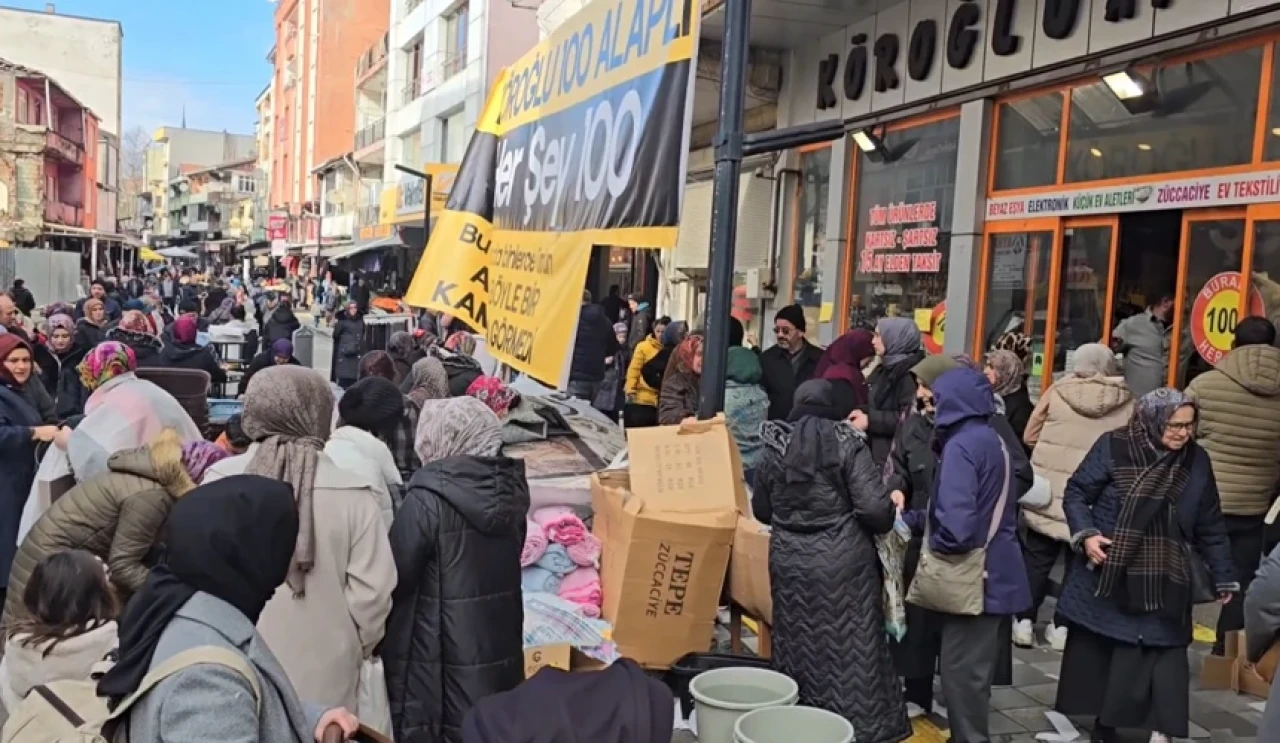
(455, 634)
(181, 356)
(279, 325)
(1070, 416)
(116, 516)
(72, 659)
(1240, 427)
(746, 405)
(971, 476)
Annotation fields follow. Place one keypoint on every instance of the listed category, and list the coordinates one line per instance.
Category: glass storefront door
(1262, 262)
(1016, 290)
(1085, 275)
(1210, 285)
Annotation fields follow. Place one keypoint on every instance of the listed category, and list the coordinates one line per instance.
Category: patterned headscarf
(461, 342)
(492, 392)
(288, 411)
(105, 362)
(198, 456)
(401, 345)
(457, 426)
(377, 364)
(689, 349)
(428, 380)
(1017, 342)
(134, 321)
(94, 304)
(60, 308)
(1008, 372)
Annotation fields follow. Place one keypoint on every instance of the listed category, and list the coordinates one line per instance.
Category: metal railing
(410, 91)
(65, 214)
(371, 134)
(373, 56)
(64, 146)
(453, 63)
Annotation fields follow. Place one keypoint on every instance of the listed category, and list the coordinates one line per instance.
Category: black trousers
(1040, 553)
(1246, 535)
(639, 416)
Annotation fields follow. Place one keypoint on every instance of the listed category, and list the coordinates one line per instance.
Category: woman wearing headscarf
(59, 355)
(117, 515)
(1066, 422)
(366, 414)
(495, 394)
(135, 332)
(185, 353)
(679, 396)
(819, 488)
(92, 328)
(890, 389)
(331, 613)
(428, 381)
(1142, 509)
(455, 634)
(222, 312)
(842, 363)
(348, 345)
(912, 478)
(1008, 379)
(378, 364)
(227, 546)
(404, 353)
(280, 353)
(459, 364)
(24, 379)
(20, 431)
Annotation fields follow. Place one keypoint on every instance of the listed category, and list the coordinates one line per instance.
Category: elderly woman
(1066, 422)
(891, 391)
(330, 614)
(92, 328)
(457, 542)
(1008, 378)
(1149, 534)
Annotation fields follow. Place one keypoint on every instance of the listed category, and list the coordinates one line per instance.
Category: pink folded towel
(586, 553)
(582, 587)
(561, 525)
(535, 544)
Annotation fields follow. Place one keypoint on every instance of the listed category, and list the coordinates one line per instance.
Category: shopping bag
(373, 707)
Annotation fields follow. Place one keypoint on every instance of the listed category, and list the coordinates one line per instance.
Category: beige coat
(1240, 426)
(1067, 421)
(322, 638)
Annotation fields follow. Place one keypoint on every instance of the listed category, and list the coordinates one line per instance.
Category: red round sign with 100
(1215, 312)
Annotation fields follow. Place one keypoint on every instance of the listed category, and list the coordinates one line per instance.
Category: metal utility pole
(724, 200)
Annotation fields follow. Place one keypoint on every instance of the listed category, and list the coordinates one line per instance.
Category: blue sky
(209, 55)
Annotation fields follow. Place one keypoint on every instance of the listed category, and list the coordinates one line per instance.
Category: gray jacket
(209, 702)
(1262, 630)
(1146, 345)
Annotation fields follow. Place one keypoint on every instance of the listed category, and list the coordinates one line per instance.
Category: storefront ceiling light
(866, 141)
(1144, 147)
(1095, 152)
(1126, 85)
(1276, 131)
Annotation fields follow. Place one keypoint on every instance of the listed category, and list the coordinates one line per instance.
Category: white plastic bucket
(790, 724)
(723, 695)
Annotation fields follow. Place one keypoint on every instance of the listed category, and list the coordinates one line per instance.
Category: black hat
(793, 314)
(372, 404)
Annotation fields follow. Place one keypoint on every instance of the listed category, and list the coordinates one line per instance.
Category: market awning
(176, 253)
(147, 254)
(390, 241)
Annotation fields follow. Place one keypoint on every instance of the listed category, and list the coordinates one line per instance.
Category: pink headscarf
(185, 329)
(492, 392)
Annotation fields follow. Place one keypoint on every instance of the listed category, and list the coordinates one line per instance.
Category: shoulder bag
(956, 584)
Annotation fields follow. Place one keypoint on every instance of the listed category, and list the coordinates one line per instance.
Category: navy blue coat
(18, 461)
(1092, 504)
(595, 342)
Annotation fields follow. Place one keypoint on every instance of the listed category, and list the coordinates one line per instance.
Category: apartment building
(313, 96)
(216, 207)
(174, 148)
(263, 131)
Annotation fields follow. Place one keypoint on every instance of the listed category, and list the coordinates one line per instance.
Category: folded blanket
(535, 544)
(561, 525)
(556, 559)
(582, 587)
(585, 553)
(539, 580)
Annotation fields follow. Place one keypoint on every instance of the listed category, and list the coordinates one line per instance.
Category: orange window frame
(1189, 217)
(847, 266)
(1267, 41)
(1052, 225)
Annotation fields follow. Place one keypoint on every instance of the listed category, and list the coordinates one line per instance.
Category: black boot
(1102, 734)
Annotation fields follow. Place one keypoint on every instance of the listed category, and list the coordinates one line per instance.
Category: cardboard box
(555, 656)
(749, 570)
(1232, 671)
(667, 527)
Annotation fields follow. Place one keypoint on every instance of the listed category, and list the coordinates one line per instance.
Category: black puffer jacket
(891, 391)
(821, 491)
(146, 347)
(455, 634)
(594, 343)
(279, 325)
(348, 346)
(182, 356)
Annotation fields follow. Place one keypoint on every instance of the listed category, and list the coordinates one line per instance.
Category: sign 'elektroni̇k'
(1182, 193)
(582, 142)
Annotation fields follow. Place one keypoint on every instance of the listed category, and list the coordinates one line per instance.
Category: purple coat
(970, 475)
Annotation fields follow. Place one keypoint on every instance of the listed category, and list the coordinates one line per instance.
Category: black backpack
(655, 369)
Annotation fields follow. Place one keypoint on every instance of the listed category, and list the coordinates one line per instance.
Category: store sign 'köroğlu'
(875, 258)
(1060, 19)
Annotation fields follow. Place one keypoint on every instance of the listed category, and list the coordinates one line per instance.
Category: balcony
(373, 58)
(57, 212)
(453, 63)
(63, 148)
(210, 224)
(410, 91)
(367, 215)
(371, 135)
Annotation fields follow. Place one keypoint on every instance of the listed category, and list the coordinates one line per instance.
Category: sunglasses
(779, 330)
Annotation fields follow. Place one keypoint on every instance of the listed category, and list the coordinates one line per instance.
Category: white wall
(81, 54)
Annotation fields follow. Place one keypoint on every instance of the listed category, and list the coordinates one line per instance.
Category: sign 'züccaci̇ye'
(582, 142)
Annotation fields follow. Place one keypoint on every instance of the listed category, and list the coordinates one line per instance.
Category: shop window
(811, 232)
(1029, 138)
(1018, 291)
(1271, 149)
(1206, 121)
(1265, 277)
(903, 221)
(1082, 292)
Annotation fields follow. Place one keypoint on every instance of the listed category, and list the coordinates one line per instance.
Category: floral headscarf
(135, 322)
(1014, 341)
(185, 329)
(1008, 372)
(105, 362)
(492, 392)
(1152, 414)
